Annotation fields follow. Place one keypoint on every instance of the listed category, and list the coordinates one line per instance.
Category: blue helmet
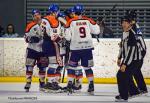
(68, 11)
(34, 11)
(53, 8)
(71, 10)
(78, 8)
(60, 14)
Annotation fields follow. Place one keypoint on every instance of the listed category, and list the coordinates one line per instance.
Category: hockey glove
(34, 39)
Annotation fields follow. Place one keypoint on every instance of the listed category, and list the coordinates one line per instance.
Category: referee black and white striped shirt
(132, 46)
(141, 46)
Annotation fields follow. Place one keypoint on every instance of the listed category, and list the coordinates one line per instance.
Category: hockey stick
(113, 8)
(96, 36)
(66, 61)
(64, 22)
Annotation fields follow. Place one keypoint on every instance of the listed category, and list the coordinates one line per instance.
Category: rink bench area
(12, 60)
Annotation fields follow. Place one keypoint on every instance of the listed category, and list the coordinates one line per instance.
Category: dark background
(14, 12)
(18, 12)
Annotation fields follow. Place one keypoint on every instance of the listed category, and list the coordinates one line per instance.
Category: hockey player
(78, 32)
(34, 55)
(51, 49)
(62, 46)
(78, 71)
(77, 84)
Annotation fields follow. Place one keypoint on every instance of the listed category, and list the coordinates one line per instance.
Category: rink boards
(12, 59)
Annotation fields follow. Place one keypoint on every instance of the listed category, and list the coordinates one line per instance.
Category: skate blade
(52, 91)
(41, 89)
(48, 91)
(134, 96)
(120, 100)
(91, 93)
(69, 92)
(58, 91)
(77, 91)
(144, 94)
(26, 90)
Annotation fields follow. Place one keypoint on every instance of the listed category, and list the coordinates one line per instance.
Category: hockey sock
(51, 75)
(58, 73)
(29, 72)
(79, 76)
(42, 76)
(89, 74)
(71, 75)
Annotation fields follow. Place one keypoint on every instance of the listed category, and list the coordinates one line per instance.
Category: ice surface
(104, 93)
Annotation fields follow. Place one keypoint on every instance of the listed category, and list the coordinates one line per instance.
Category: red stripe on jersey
(51, 75)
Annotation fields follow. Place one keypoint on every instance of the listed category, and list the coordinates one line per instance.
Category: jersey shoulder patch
(69, 21)
(89, 19)
(67, 18)
(53, 21)
(29, 26)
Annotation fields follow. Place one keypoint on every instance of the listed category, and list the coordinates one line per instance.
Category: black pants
(138, 76)
(125, 81)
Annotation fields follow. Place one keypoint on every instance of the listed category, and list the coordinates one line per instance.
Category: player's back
(81, 28)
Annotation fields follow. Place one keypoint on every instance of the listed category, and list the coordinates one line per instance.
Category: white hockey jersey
(54, 27)
(79, 30)
(36, 30)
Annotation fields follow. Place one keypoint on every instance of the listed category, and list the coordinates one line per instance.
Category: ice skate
(118, 98)
(48, 87)
(27, 86)
(91, 88)
(69, 88)
(41, 86)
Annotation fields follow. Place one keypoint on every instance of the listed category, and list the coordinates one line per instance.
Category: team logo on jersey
(44, 23)
(54, 30)
(35, 29)
(37, 33)
(139, 31)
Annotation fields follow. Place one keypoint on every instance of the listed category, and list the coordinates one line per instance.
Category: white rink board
(12, 57)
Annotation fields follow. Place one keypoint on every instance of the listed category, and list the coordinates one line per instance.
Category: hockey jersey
(34, 30)
(54, 25)
(52, 28)
(79, 30)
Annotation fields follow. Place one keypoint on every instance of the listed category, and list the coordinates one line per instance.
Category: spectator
(105, 32)
(10, 32)
(1, 31)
